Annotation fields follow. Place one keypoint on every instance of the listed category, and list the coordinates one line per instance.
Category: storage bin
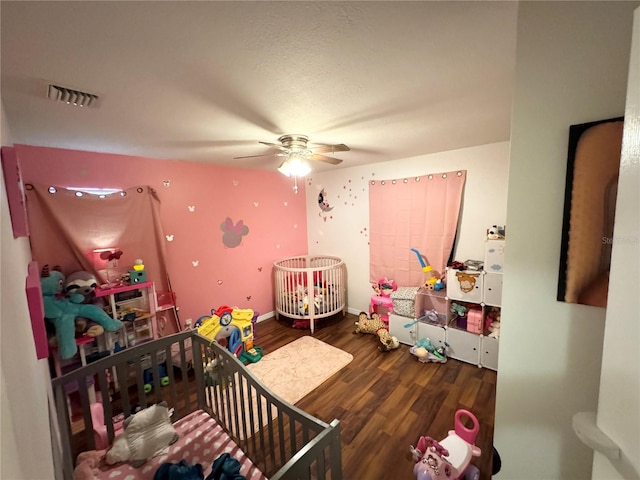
(404, 299)
(465, 285)
(474, 321)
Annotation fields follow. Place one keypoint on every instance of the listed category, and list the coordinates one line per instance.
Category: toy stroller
(450, 458)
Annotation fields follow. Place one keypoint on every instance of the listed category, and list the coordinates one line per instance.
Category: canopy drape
(67, 227)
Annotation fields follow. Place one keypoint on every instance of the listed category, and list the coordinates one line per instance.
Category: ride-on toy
(450, 458)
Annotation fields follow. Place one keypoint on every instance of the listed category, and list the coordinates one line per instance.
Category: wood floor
(386, 401)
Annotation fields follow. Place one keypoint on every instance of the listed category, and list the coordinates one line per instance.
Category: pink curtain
(413, 213)
(67, 228)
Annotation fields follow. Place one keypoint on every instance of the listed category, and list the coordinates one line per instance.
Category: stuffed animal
(458, 310)
(496, 232)
(62, 310)
(145, 434)
(376, 326)
(427, 352)
(88, 464)
(494, 328)
(85, 284)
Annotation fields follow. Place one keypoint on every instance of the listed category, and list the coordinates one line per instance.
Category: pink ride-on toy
(450, 458)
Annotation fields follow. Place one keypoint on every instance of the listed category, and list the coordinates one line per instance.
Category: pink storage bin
(474, 321)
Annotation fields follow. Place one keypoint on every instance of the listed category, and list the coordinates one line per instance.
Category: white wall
(344, 230)
(571, 67)
(25, 437)
(619, 403)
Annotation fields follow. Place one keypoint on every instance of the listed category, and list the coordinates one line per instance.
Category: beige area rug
(296, 369)
(291, 372)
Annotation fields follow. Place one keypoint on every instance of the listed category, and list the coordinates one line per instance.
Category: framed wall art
(593, 163)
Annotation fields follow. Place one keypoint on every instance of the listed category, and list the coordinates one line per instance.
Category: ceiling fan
(296, 145)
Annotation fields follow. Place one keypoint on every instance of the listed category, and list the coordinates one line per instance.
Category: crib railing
(283, 441)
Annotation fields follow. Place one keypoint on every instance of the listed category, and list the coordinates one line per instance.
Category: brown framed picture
(593, 163)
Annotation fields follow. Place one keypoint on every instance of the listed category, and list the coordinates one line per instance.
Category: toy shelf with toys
(463, 318)
(474, 307)
(140, 308)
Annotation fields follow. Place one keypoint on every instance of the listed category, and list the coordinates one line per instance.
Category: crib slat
(122, 375)
(199, 375)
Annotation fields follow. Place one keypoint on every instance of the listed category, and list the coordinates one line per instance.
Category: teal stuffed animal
(61, 310)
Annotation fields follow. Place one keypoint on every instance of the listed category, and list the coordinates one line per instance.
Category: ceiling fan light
(285, 168)
(298, 167)
(294, 166)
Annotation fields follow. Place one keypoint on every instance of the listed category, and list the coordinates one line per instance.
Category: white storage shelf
(477, 290)
(134, 305)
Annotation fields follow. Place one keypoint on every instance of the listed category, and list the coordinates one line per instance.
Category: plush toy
(427, 352)
(376, 326)
(496, 232)
(85, 283)
(494, 328)
(88, 464)
(458, 310)
(145, 434)
(62, 310)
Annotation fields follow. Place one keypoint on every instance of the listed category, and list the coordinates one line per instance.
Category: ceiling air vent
(71, 97)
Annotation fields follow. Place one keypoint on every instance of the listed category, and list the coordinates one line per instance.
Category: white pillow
(146, 434)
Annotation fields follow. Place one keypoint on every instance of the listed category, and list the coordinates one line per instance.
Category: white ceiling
(205, 81)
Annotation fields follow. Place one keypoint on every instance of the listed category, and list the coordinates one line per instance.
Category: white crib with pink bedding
(219, 407)
(310, 287)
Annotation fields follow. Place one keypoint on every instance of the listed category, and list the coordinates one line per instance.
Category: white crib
(310, 287)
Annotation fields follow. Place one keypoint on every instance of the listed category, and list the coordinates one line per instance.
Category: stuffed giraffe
(376, 326)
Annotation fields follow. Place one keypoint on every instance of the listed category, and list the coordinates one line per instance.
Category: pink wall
(204, 272)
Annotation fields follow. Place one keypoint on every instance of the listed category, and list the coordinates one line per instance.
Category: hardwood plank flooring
(386, 400)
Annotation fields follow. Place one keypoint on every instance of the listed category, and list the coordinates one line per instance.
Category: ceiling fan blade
(255, 156)
(325, 159)
(275, 145)
(340, 147)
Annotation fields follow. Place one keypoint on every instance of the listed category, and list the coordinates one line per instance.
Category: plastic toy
(430, 280)
(382, 298)
(147, 377)
(100, 429)
(235, 326)
(449, 459)
(376, 326)
(138, 274)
